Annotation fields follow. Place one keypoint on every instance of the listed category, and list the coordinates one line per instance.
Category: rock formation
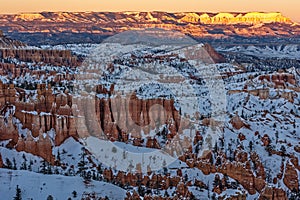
(291, 178)
(273, 193)
(97, 24)
(54, 57)
(50, 112)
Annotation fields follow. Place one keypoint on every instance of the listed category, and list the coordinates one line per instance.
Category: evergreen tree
(14, 164)
(74, 194)
(186, 177)
(166, 194)
(226, 180)
(43, 167)
(197, 148)
(30, 165)
(216, 181)
(213, 197)
(276, 135)
(8, 164)
(164, 164)
(49, 168)
(50, 197)
(94, 177)
(251, 146)
(24, 164)
(141, 191)
(58, 155)
(18, 194)
(216, 148)
(208, 190)
(81, 164)
(283, 150)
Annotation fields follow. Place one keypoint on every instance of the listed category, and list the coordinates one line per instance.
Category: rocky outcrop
(244, 176)
(216, 57)
(291, 177)
(154, 181)
(42, 147)
(237, 197)
(48, 113)
(273, 193)
(236, 170)
(120, 116)
(21, 70)
(238, 123)
(260, 170)
(284, 83)
(279, 80)
(54, 57)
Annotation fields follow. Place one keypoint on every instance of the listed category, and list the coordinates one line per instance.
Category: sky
(289, 8)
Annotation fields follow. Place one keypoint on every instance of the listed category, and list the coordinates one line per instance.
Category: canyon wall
(53, 57)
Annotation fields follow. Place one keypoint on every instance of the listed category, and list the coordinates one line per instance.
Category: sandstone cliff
(54, 57)
(68, 25)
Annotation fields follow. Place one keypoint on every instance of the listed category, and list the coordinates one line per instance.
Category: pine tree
(94, 177)
(276, 135)
(49, 168)
(283, 150)
(81, 164)
(216, 147)
(208, 190)
(18, 194)
(30, 165)
(166, 194)
(74, 194)
(24, 164)
(251, 146)
(43, 167)
(58, 155)
(164, 165)
(213, 197)
(50, 197)
(186, 177)
(14, 164)
(8, 164)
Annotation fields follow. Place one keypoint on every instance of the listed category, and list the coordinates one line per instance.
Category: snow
(39, 186)
(271, 117)
(70, 151)
(279, 51)
(126, 157)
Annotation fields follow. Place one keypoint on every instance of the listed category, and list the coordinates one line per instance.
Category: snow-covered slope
(39, 186)
(291, 51)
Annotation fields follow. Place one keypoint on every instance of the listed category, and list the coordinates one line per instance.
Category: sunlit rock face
(158, 17)
(235, 18)
(99, 24)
